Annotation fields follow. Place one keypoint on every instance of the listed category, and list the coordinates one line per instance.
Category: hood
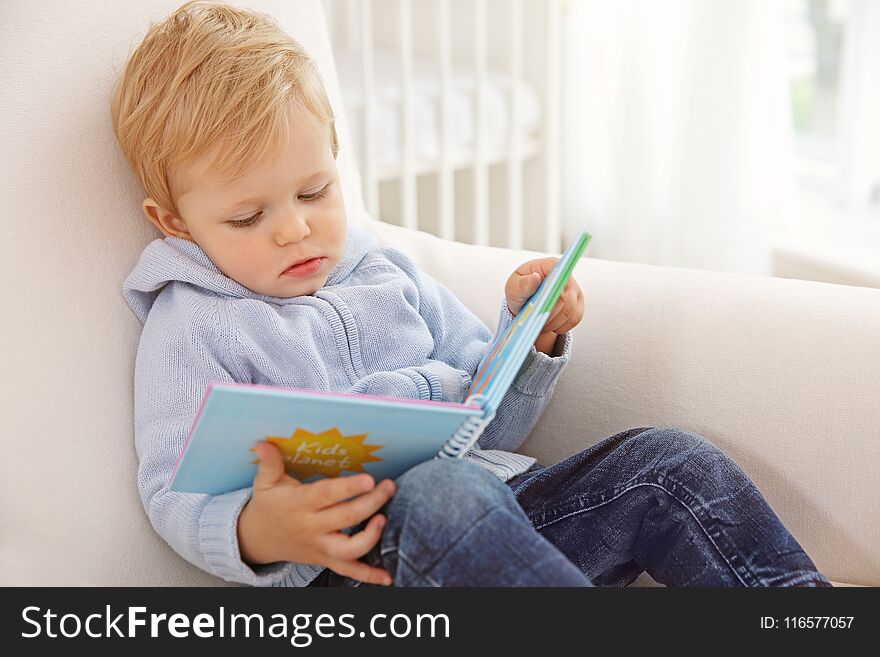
(177, 259)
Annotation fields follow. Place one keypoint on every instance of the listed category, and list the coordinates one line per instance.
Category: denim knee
(442, 491)
(453, 523)
(447, 482)
(670, 439)
(684, 453)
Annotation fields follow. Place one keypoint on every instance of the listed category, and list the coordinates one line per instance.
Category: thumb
(270, 470)
(519, 289)
(528, 284)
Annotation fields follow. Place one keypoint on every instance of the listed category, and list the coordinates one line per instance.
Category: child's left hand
(566, 314)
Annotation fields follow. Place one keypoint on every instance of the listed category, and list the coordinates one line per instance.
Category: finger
(579, 306)
(540, 265)
(328, 492)
(576, 300)
(566, 301)
(568, 290)
(559, 319)
(270, 470)
(360, 571)
(344, 546)
(528, 284)
(564, 328)
(520, 289)
(347, 514)
(565, 296)
(554, 313)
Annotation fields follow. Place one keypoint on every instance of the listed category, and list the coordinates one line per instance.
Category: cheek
(334, 219)
(243, 253)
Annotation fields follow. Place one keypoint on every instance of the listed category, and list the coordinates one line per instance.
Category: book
(330, 434)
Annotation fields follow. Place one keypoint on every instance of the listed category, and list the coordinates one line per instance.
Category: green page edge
(563, 279)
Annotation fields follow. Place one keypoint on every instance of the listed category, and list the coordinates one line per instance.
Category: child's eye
(307, 198)
(317, 196)
(244, 223)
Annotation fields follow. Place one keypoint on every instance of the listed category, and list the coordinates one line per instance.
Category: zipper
(348, 328)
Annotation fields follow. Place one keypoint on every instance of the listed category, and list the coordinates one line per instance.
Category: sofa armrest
(783, 375)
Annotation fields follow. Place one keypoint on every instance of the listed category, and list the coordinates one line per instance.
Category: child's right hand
(286, 520)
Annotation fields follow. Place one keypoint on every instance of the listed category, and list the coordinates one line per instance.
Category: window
(833, 55)
(815, 39)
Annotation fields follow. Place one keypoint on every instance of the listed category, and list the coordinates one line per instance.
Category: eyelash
(254, 218)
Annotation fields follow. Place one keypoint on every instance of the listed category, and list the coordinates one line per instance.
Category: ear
(166, 222)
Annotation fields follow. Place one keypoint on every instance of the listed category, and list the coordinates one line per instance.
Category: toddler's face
(280, 213)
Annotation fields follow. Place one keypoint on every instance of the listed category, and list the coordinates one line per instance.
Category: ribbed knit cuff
(539, 371)
(427, 384)
(505, 319)
(218, 539)
(437, 381)
(447, 383)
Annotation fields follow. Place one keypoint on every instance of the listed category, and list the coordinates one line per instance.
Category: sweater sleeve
(463, 340)
(433, 381)
(178, 354)
(528, 395)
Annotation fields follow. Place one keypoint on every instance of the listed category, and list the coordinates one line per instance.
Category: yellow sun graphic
(328, 453)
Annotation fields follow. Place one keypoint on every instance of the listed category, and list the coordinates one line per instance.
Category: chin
(305, 289)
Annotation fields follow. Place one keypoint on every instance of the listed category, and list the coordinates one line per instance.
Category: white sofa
(783, 375)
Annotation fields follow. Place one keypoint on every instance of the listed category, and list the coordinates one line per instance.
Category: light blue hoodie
(378, 326)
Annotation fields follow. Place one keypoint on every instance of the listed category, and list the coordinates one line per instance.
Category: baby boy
(260, 279)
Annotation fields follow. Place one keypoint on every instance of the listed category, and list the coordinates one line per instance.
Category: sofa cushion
(72, 230)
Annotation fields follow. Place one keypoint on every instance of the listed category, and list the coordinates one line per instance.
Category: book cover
(330, 434)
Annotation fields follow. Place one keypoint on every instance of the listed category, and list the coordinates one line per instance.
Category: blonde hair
(211, 74)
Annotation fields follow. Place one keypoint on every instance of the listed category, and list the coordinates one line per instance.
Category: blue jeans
(660, 500)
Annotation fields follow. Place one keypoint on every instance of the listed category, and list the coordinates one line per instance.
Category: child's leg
(666, 501)
(451, 523)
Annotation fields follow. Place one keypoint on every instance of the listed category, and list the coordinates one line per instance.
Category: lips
(300, 262)
(304, 268)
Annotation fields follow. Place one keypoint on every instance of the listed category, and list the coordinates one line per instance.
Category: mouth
(303, 268)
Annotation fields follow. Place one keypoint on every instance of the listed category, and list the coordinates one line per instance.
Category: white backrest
(71, 231)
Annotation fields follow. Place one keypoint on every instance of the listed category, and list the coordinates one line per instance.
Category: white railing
(494, 188)
(446, 179)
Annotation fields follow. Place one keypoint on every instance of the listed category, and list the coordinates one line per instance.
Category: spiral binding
(467, 434)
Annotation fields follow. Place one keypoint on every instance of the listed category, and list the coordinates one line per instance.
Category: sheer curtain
(677, 131)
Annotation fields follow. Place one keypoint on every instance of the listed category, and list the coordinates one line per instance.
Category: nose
(291, 227)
